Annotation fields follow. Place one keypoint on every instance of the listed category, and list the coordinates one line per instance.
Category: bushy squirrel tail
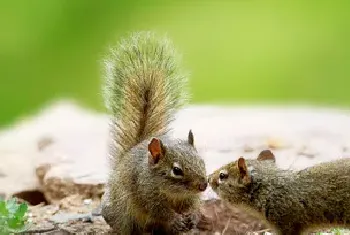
(144, 87)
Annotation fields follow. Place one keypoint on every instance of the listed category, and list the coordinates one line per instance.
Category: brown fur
(155, 180)
(292, 202)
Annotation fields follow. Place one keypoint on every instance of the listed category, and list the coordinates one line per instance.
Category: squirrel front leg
(188, 218)
(176, 223)
(183, 223)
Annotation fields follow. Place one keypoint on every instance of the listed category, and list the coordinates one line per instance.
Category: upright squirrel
(155, 180)
(292, 202)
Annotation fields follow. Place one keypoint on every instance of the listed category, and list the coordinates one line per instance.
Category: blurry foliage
(236, 51)
(12, 216)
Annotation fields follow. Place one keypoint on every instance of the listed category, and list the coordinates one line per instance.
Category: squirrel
(155, 180)
(290, 202)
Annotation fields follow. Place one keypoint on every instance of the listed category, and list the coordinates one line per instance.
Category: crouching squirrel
(292, 202)
(155, 180)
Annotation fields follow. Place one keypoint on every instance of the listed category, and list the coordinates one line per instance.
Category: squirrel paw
(185, 223)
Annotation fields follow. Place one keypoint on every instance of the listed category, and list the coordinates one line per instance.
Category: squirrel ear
(266, 155)
(156, 148)
(190, 138)
(243, 171)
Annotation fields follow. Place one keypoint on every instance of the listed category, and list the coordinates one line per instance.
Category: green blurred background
(237, 51)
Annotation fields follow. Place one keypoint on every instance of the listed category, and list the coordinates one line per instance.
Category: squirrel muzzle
(203, 186)
(213, 181)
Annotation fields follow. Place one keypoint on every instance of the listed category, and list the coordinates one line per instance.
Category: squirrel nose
(203, 186)
(213, 182)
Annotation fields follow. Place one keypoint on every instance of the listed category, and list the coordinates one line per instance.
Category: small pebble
(87, 202)
(44, 142)
(306, 152)
(224, 150)
(248, 149)
(274, 143)
(96, 211)
(68, 217)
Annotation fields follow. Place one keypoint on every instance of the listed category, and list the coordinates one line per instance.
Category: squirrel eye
(177, 171)
(223, 176)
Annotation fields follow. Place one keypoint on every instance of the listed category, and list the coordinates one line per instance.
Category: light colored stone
(63, 149)
(87, 201)
(66, 217)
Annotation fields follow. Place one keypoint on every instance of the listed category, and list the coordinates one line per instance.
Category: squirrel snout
(213, 182)
(203, 186)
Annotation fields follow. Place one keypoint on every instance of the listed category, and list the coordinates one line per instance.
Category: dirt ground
(299, 136)
(73, 216)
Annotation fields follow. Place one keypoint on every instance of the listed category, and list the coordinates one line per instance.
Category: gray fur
(144, 89)
(291, 201)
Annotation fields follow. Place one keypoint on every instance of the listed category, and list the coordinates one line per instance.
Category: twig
(226, 226)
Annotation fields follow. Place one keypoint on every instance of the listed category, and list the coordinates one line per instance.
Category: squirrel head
(233, 180)
(177, 167)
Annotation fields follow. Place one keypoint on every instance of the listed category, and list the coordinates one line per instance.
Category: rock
(51, 157)
(248, 149)
(41, 228)
(44, 142)
(274, 143)
(97, 211)
(63, 150)
(41, 171)
(87, 202)
(305, 151)
(216, 216)
(56, 189)
(41, 212)
(97, 226)
(79, 153)
(67, 217)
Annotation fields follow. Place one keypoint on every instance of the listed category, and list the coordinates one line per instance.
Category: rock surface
(73, 216)
(62, 151)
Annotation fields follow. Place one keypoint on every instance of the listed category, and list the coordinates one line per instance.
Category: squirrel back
(144, 87)
(155, 180)
(292, 202)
